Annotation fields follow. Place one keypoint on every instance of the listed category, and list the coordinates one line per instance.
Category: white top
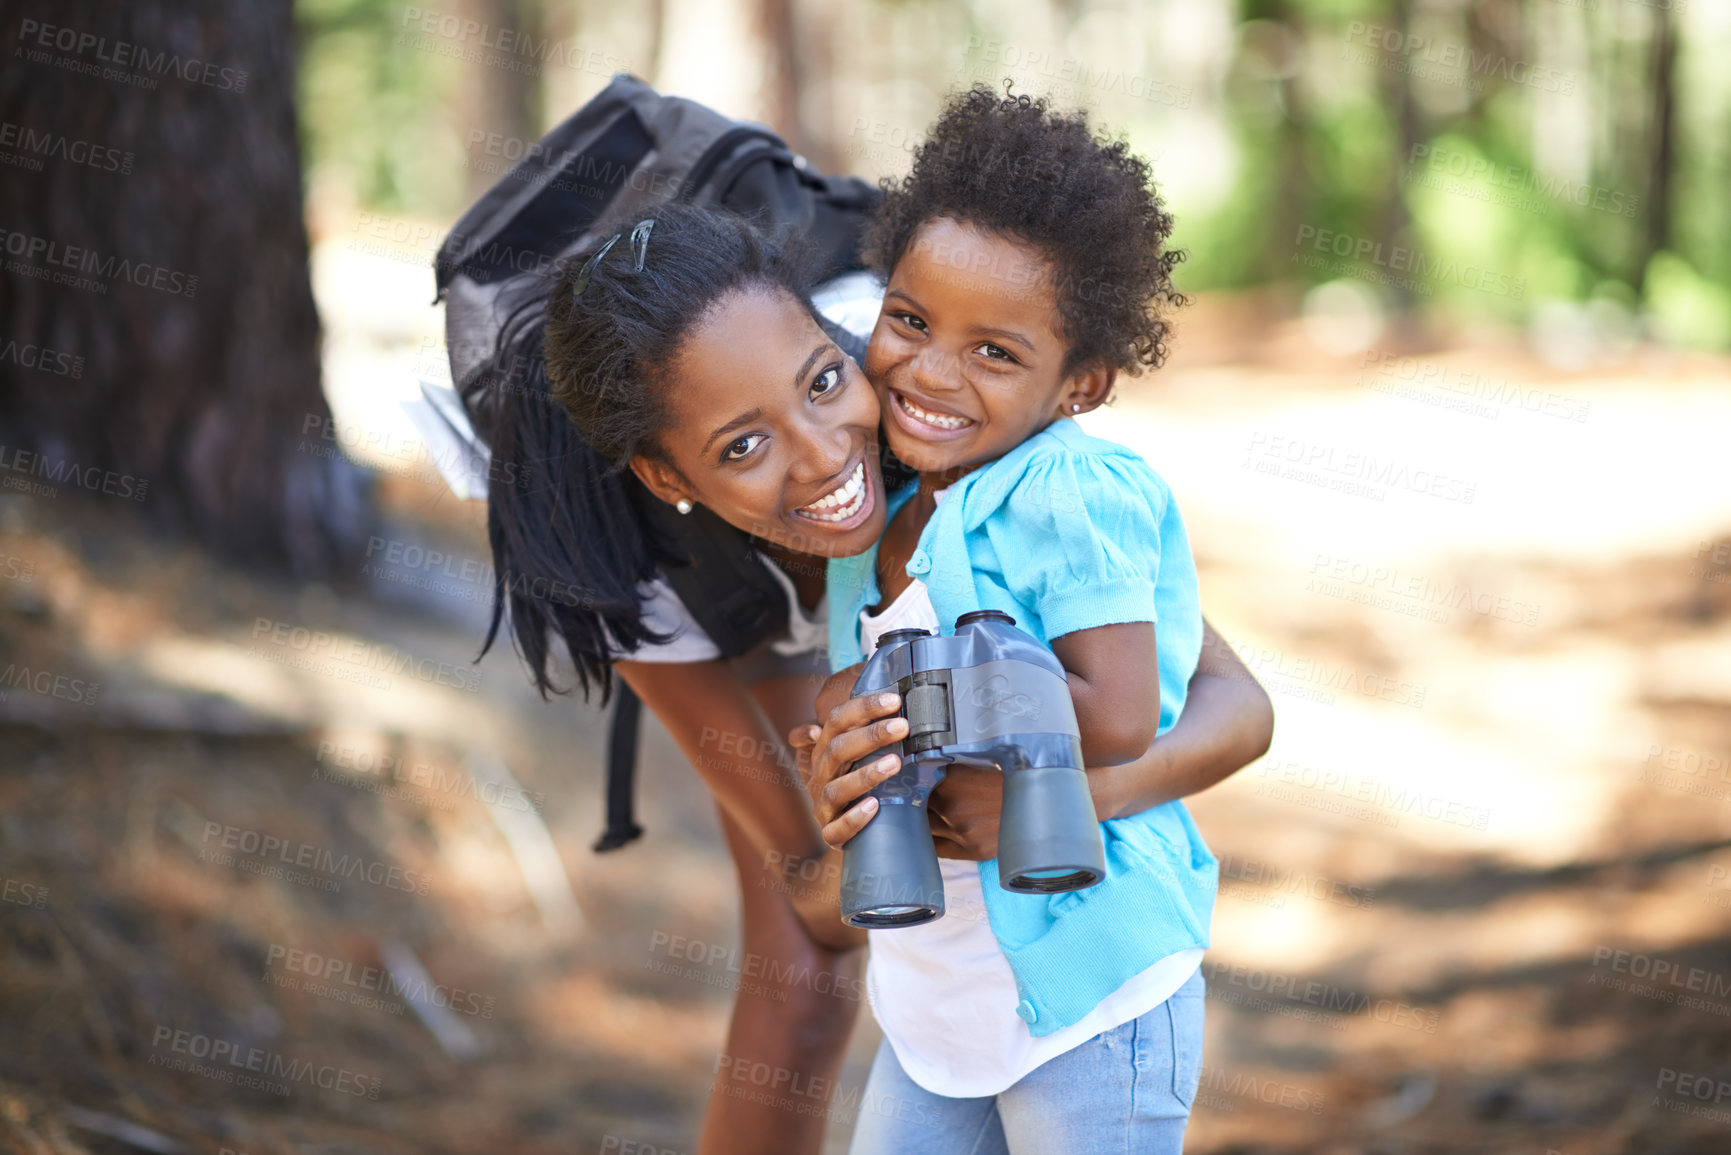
(943, 992)
(664, 613)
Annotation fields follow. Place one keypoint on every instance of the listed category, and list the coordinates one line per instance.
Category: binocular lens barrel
(1048, 835)
(889, 871)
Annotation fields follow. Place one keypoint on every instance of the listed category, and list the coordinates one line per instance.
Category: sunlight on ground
(382, 334)
(1459, 611)
(1523, 733)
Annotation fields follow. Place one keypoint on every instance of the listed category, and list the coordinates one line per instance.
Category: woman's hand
(851, 731)
(836, 689)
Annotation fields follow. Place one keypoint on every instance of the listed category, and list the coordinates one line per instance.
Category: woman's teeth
(936, 420)
(841, 504)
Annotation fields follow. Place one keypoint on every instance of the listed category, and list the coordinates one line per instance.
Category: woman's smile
(847, 501)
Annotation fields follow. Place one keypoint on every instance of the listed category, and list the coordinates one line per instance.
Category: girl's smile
(928, 420)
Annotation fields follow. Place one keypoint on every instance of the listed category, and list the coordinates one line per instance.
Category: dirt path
(1475, 899)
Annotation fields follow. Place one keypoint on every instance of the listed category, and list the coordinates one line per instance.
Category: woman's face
(773, 428)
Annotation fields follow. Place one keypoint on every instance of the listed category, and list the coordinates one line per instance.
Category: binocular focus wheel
(1052, 881)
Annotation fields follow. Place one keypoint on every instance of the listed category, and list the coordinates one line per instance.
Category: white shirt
(943, 992)
(664, 613)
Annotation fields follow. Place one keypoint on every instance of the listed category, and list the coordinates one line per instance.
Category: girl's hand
(851, 731)
(836, 689)
(964, 811)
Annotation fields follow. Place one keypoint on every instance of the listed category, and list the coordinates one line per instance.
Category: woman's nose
(822, 451)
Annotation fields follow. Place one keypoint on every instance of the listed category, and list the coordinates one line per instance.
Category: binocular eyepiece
(988, 695)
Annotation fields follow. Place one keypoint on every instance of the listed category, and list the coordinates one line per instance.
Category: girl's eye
(742, 448)
(910, 320)
(826, 381)
(996, 352)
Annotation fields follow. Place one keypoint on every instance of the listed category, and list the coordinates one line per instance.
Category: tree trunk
(154, 241)
(497, 98)
(797, 97)
(775, 27)
(1395, 223)
(1291, 208)
(1664, 138)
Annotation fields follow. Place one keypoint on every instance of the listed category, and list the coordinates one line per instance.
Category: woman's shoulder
(664, 613)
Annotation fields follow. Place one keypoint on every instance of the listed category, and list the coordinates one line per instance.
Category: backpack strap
(622, 733)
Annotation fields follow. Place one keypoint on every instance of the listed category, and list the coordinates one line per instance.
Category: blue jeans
(1126, 1091)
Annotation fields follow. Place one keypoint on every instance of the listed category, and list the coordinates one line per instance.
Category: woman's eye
(996, 352)
(741, 448)
(826, 381)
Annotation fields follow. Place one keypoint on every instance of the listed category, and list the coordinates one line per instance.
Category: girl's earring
(1075, 407)
(682, 505)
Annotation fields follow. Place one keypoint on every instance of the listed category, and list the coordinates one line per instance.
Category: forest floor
(1474, 899)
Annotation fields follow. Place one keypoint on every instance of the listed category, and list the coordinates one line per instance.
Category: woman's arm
(1226, 724)
(1115, 687)
(732, 744)
(799, 1012)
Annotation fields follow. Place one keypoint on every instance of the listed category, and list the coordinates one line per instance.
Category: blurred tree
(1271, 41)
(1664, 138)
(173, 261)
(501, 96)
(797, 46)
(1394, 222)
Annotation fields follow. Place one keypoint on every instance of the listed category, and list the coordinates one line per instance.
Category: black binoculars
(988, 695)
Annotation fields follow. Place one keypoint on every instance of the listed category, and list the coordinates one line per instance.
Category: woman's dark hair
(1012, 166)
(611, 347)
(577, 388)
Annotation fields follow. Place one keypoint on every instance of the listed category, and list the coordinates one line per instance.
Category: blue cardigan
(1069, 532)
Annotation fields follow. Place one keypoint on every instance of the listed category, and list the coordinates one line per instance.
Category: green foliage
(1324, 128)
(1687, 308)
(373, 108)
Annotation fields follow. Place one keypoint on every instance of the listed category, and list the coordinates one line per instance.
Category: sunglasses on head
(639, 249)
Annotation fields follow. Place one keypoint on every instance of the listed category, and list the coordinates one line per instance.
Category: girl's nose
(936, 370)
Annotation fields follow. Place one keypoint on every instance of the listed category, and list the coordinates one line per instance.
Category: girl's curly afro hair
(1013, 166)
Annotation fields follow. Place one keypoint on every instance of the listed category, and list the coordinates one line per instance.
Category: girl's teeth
(940, 420)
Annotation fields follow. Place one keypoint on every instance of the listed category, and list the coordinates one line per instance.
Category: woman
(698, 374)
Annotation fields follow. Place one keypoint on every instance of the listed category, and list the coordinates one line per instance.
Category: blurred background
(1448, 419)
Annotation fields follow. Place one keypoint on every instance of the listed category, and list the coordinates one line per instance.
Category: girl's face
(773, 428)
(968, 354)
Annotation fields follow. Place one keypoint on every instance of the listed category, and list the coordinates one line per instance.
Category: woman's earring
(682, 505)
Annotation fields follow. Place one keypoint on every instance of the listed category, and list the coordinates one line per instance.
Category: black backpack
(632, 148)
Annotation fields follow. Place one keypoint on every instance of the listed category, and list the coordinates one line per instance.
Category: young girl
(1026, 268)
